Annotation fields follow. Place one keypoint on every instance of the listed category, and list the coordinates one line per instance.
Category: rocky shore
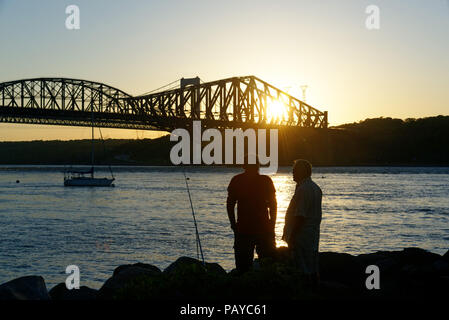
(412, 273)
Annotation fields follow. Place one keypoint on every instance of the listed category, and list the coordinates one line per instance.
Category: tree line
(378, 141)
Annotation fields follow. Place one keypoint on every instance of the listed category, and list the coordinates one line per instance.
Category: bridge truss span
(236, 102)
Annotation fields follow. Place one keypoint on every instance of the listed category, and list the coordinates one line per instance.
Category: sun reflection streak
(285, 188)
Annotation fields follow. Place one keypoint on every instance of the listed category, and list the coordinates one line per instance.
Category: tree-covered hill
(379, 141)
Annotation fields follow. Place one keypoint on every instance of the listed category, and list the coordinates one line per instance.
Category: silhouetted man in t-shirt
(256, 215)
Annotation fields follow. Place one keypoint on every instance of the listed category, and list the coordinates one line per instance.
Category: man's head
(302, 169)
(251, 163)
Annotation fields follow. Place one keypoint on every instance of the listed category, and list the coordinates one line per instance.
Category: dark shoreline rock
(411, 273)
(341, 268)
(186, 262)
(446, 255)
(124, 275)
(61, 293)
(24, 288)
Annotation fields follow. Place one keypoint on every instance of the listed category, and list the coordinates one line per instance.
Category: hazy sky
(400, 70)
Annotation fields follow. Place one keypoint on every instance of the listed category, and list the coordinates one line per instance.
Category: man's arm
(298, 219)
(230, 206)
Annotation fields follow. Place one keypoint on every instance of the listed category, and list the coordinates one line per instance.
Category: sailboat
(86, 178)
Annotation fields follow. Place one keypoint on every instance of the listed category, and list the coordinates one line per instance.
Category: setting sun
(276, 110)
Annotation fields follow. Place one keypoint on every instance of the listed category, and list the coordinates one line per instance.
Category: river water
(146, 217)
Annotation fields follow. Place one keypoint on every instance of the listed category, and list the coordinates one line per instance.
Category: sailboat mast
(92, 153)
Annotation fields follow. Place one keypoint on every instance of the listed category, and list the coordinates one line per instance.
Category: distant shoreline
(380, 142)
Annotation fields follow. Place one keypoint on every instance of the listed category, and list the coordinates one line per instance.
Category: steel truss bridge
(238, 102)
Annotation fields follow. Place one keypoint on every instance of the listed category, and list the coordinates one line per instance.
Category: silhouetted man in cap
(255, 197)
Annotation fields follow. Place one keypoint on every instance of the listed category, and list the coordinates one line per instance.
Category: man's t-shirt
(306, 202)
(253, 193)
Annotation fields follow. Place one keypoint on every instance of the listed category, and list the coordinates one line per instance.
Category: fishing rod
(198, 241)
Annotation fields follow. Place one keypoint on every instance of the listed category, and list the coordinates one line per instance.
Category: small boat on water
(79, 178)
